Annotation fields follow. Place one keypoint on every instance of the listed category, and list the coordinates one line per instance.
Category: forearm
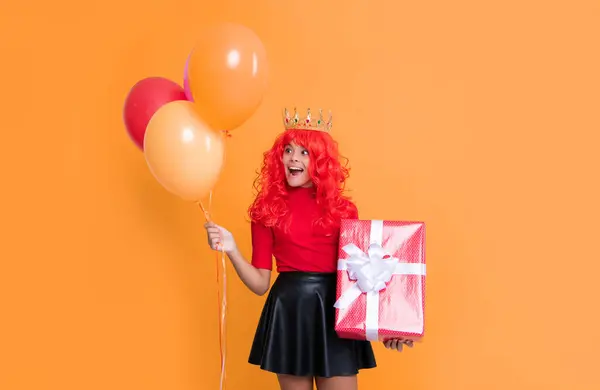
(257, 280)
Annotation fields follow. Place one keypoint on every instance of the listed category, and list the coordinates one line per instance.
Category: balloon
(227, 75)
(143, 100)
(186, 81)
(183, 153)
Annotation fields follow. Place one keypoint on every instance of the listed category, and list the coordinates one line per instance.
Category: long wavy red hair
(328, 171)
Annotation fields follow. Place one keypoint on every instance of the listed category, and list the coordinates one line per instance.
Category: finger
(409, 343)
(398, 344)
(387, 343)
(213, 230)
(214, 243)
(210, 224)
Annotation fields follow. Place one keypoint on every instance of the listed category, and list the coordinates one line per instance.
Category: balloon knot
(227, 133)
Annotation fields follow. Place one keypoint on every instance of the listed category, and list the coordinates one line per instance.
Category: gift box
(381, 280)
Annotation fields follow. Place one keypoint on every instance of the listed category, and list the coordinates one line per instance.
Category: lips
(295, 171)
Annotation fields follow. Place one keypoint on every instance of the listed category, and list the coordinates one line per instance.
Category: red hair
(326, 171)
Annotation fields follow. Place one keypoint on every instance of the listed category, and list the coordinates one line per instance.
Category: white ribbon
(372, 272)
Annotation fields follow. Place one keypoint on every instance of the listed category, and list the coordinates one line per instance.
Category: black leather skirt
(295, 333)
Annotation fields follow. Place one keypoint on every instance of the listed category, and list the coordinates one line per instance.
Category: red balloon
(143, 100)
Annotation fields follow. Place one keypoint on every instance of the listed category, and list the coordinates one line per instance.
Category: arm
(256, 275)
(256, 279)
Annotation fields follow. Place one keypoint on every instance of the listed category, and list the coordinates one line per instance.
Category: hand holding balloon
(219, 238)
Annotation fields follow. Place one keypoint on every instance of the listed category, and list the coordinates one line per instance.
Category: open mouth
(295, 171)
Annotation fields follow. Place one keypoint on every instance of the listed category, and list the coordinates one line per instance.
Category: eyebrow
(298, 146)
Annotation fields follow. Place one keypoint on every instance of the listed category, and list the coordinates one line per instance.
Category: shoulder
(259, 228)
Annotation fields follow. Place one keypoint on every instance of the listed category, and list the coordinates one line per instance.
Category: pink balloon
(186, 81)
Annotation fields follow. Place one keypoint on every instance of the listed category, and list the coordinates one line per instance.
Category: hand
(219, 238)
(397, 344)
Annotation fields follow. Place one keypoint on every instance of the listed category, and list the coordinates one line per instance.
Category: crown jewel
(307, 122)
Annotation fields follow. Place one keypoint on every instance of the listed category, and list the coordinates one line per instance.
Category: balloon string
(222, 329)
(222, 309)
(204, 210)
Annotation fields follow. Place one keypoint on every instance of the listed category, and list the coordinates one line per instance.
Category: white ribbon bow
(372, 272)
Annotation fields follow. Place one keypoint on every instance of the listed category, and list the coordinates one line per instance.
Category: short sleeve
(262, 246)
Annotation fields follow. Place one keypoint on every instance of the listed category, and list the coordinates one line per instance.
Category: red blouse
(304, 248)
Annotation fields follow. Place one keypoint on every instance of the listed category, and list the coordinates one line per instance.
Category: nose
(296, 155)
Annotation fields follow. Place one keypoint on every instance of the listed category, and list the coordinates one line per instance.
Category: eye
(305, 152)
(288, 150)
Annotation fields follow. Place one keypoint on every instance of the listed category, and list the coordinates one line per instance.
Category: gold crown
(307, 122)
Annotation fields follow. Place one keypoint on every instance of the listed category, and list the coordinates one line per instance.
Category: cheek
(306, 162)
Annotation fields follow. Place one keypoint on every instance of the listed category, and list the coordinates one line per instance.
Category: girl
(295, 218)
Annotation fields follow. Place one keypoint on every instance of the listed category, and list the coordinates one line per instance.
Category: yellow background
(480, 118)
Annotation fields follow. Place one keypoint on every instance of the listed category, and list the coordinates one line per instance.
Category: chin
(298, 182)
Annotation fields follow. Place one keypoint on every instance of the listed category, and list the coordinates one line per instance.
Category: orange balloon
(227, 75)
(183, 153)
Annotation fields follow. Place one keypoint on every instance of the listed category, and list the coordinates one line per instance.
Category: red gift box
(381, 280)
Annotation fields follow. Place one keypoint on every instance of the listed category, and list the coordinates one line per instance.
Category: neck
(307, 189)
